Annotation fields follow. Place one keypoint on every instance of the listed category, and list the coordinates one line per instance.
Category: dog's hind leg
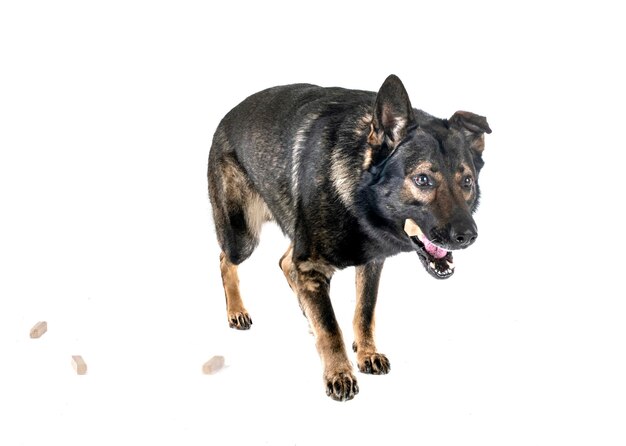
(238, 213)
(238, 316)
(286, 265)
(289, 270)
(368, 359)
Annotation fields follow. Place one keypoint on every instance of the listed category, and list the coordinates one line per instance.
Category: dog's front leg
(368, 359)
(313, 285)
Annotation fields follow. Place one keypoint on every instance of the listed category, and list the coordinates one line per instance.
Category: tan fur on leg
(368, 358)
(237, 314)
(312, 285)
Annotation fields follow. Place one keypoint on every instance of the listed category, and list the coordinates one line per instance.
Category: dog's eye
(423, 180)
(468, 181)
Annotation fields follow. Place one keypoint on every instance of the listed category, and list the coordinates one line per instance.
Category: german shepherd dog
(351, 177)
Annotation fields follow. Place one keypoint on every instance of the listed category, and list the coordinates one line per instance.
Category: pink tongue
(433, 250)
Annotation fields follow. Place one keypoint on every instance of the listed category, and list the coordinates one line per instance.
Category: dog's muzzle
(437, 261)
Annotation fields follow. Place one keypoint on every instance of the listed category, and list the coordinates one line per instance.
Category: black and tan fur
(340, 171)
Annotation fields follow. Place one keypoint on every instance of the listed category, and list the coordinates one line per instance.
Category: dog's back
(268, 135)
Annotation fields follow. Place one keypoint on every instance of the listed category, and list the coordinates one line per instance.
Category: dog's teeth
(450, 264)
(432, 265)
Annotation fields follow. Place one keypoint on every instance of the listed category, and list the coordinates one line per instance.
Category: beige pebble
(79, 365)
(39, 329)
(213, 365)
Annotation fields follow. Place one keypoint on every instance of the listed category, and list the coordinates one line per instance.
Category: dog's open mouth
(436, 260)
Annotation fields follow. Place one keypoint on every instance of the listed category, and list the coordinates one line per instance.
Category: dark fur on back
(284, 139)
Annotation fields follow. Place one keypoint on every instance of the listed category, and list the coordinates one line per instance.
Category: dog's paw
(240, 320)
(373, 363)
(341, 386)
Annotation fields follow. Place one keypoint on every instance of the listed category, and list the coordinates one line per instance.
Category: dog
(351, 177)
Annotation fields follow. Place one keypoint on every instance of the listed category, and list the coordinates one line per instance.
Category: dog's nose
(463, 237)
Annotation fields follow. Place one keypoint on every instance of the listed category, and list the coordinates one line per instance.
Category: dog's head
(424, 173)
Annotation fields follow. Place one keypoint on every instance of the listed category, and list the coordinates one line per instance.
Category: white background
(106, 116)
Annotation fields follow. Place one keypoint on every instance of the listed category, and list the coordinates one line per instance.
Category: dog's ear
(474, 126)
(470, 122)
(393, 115)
